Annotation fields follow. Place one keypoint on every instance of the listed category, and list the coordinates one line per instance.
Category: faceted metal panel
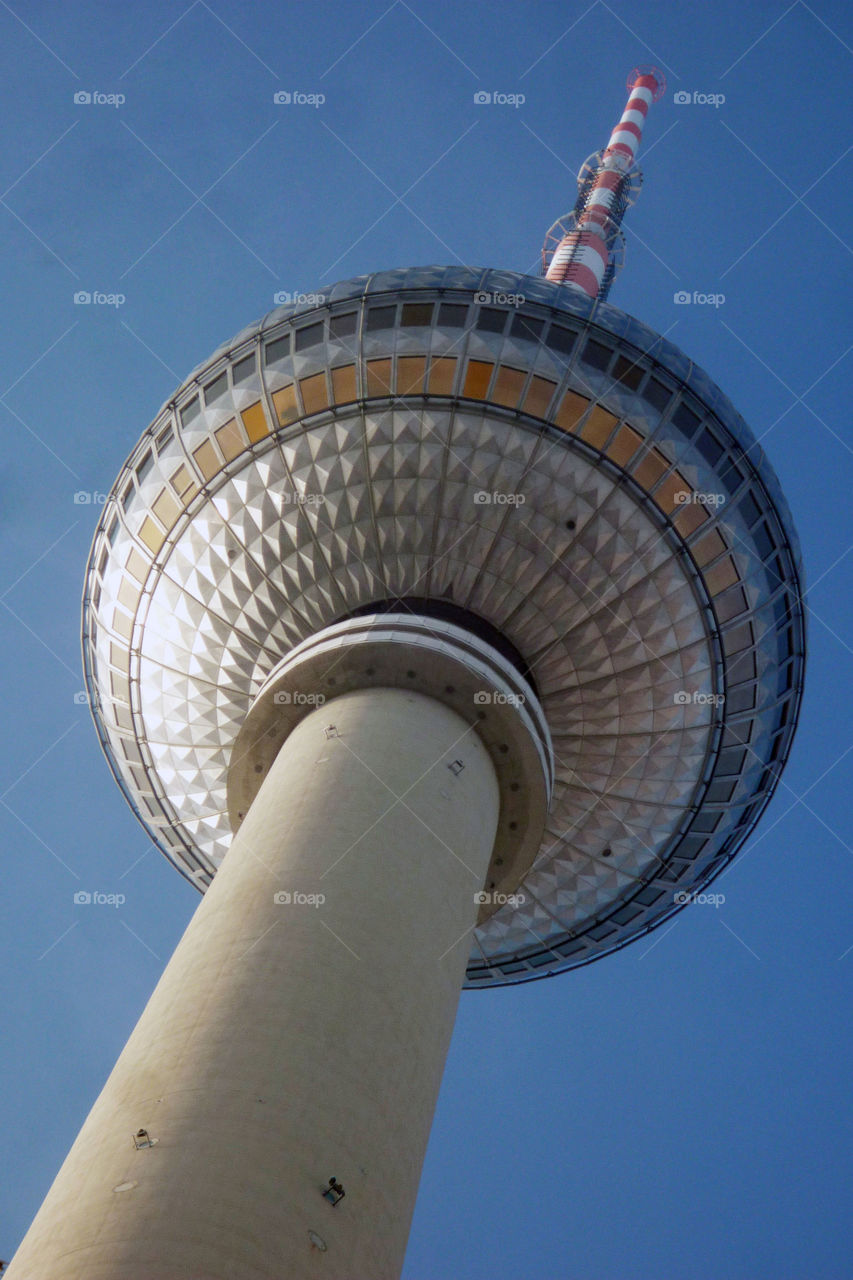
(634, 548)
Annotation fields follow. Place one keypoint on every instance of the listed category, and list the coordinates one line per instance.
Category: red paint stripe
(582, 278)
(599, 212)
(637, 104)
(590, 238)
(626, 126)
(621, 148)
(647, 82)
(609, 180)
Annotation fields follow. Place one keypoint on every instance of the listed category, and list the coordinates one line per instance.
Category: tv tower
(444, 630)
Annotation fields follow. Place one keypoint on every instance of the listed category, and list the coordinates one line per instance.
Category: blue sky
(681, 1109)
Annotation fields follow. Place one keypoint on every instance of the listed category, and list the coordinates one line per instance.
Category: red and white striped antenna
(585, 248)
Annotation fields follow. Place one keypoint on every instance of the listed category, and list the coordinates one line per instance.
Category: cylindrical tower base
(300, 1030)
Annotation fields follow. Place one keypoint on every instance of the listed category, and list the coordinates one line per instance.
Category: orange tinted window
(314, 394)
(378, 377)
(410, 374)
(540, 393)
(137, 565)
(667, 491)
(571, 410)
(255, 422)
(598, 426)
(230, 439)
(206, 457)
(128, 594)
(708, 547)
(509, 385)
(477, 378)
(151, 535)
(649, 469)
(343, 384)
(624, 445)
(122, 624)
(284, 402)
(721, 576)
(691, 515)
(120, 686)
(166, 509)
(184, 484)
(442, 372)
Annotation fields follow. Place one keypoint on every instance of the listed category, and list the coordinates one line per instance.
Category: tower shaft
(288, 1043)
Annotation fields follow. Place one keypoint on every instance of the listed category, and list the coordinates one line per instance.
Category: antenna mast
(585, 248)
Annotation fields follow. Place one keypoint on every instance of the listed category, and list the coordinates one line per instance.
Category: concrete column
(289, 1042)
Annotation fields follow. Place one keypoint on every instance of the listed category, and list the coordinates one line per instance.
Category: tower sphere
(480, 449)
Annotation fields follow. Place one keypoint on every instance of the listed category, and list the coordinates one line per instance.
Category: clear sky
(680, 1110)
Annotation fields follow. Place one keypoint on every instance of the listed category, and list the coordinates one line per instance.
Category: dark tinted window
(243, 369)
(731, 761)
(308, 337)
(381, 318)
(627, 372)
(657, 394)
(491, 320)
(686, 419)
(781, 609)
(190, 411)
(705, 822)
(731, 478)
(417, 314)
(278, 349)
(216, 388)
(749, 509)
(452, 315)
(343, 326)
(596, 355)
(773, 573)
(720, 792)
(562, 340)
(145, 466)
(526, 327)
(783, 684)
(709, 447)
(740, 700)
(763, 541)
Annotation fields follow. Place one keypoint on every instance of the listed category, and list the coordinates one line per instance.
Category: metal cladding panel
(501, 442)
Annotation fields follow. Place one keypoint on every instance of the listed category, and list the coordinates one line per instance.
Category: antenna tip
(648, 78)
